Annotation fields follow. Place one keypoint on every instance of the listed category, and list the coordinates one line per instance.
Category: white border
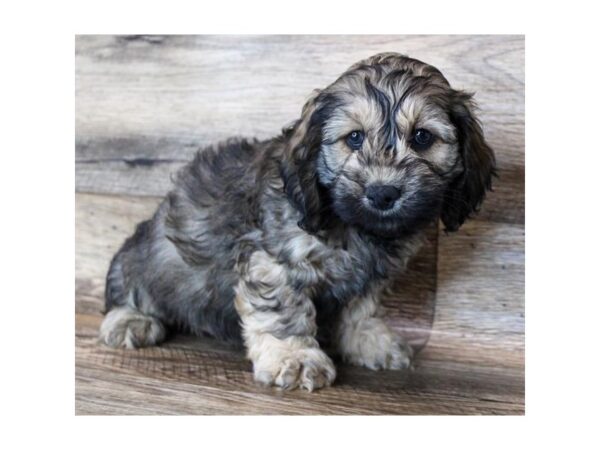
(38, 223)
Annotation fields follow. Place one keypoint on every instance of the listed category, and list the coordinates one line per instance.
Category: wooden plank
(140, 166)
(102, 223)
(480, 298)
(201, 376)
(210, 87)
(506, 203)
(144, 105)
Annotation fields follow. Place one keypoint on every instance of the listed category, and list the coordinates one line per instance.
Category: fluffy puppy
(286, 243)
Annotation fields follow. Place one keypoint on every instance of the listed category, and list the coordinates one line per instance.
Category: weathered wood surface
(143, 106)
(479, 300)
(200, 376)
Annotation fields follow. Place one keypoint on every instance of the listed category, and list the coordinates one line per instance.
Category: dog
(284, 245)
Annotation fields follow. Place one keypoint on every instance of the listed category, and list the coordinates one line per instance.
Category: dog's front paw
(398, 355)
(306, 368)
(372, 344)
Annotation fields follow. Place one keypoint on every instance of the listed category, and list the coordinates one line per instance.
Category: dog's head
(388, 147)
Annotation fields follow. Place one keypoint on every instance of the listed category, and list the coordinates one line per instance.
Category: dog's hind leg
(129, 328)
(126, 324)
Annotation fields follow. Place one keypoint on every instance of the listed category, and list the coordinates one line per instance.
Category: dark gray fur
(181, 266)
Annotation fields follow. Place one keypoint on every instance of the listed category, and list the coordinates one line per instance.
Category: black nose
(382, 197)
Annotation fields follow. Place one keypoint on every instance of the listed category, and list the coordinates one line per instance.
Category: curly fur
(275, 243)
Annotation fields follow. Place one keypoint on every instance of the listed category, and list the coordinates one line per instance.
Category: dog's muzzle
(382, 197)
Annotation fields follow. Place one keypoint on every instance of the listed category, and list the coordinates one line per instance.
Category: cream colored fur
(364, 339)
(129, 328)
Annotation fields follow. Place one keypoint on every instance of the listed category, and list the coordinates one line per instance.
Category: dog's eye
(422, 139)
(355, 139)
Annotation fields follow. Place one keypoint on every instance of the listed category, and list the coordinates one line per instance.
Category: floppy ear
(299, 164)
(465, 193)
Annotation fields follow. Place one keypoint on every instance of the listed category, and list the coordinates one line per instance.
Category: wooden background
(144, 104)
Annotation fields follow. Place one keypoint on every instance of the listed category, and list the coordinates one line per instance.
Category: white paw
(127, 328)
(306, 368)
(396, 357)
(373, 345)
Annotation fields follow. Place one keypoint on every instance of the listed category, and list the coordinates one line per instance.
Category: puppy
(285, 244)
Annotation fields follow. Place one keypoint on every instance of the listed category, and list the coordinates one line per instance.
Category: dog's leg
(127, 327)
(364, 339)
(279, 328)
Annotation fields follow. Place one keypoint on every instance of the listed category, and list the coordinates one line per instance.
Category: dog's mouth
(404, 216)
(389, 212)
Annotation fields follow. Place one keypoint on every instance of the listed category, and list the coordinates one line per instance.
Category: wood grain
(480, 299)
(143, 107)
(201, 376)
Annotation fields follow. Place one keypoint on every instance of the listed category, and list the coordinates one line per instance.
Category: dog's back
(178, 266)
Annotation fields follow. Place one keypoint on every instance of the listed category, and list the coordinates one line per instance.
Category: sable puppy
(287, 242)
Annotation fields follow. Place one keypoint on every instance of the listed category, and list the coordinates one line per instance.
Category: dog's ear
(299, 164)
(467, 191)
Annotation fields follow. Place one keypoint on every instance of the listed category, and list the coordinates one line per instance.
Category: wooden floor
(144, 104)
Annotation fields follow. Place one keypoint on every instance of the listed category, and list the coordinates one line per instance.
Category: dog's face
(389, 147)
